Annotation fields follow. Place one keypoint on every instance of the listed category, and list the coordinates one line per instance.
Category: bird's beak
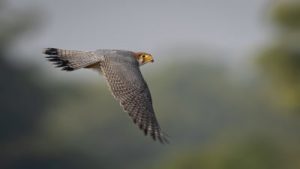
(148, 58)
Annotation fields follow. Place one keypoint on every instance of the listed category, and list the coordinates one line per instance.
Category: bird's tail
(69, 60)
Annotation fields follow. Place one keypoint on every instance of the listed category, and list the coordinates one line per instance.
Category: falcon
(121, 70)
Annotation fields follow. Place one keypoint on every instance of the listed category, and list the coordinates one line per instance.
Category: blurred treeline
(280, 60)
(215, 120)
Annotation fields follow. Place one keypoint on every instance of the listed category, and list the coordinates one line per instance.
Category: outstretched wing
(130, 89)
(70, 60)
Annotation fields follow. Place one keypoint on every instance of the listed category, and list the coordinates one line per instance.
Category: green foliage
(81, 126)
(281, 61)
(256, 152)
(287, 14)
(283, 68)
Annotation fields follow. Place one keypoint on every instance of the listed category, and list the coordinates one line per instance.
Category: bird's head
(144, 58)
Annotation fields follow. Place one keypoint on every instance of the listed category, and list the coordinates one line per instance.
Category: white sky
(235, 26)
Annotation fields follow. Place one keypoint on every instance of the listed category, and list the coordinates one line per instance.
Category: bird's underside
(121, 71)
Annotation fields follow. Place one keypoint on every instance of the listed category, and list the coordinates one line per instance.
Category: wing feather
(130, 89)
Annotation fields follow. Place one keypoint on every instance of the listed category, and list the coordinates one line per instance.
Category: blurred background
(225, 84)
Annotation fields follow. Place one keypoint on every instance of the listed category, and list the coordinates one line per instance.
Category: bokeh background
(225, 84)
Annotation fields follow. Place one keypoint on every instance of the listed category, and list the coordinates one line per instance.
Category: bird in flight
(121, 70)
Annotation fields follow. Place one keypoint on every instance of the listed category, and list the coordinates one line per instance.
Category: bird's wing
(71, 59)
(130, 89)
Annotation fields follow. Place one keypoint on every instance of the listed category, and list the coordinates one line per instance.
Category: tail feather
(69, 60)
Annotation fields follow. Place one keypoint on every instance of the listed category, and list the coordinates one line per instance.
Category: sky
(233, 26)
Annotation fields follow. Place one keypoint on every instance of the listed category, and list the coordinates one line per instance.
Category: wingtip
(156, 135)
(50, 51)
(53, 56)
(163, 139)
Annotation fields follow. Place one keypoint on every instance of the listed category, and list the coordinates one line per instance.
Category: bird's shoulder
(114, 53)
(117, 56)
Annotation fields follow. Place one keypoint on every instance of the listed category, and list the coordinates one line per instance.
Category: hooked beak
(148, 59)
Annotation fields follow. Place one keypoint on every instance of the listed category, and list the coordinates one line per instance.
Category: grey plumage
(121, 71)
(71, 59)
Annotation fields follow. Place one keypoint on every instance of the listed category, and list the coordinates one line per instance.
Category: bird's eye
(143, 56)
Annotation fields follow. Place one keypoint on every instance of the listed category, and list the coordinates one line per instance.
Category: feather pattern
(124, 78)
(130, 89)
